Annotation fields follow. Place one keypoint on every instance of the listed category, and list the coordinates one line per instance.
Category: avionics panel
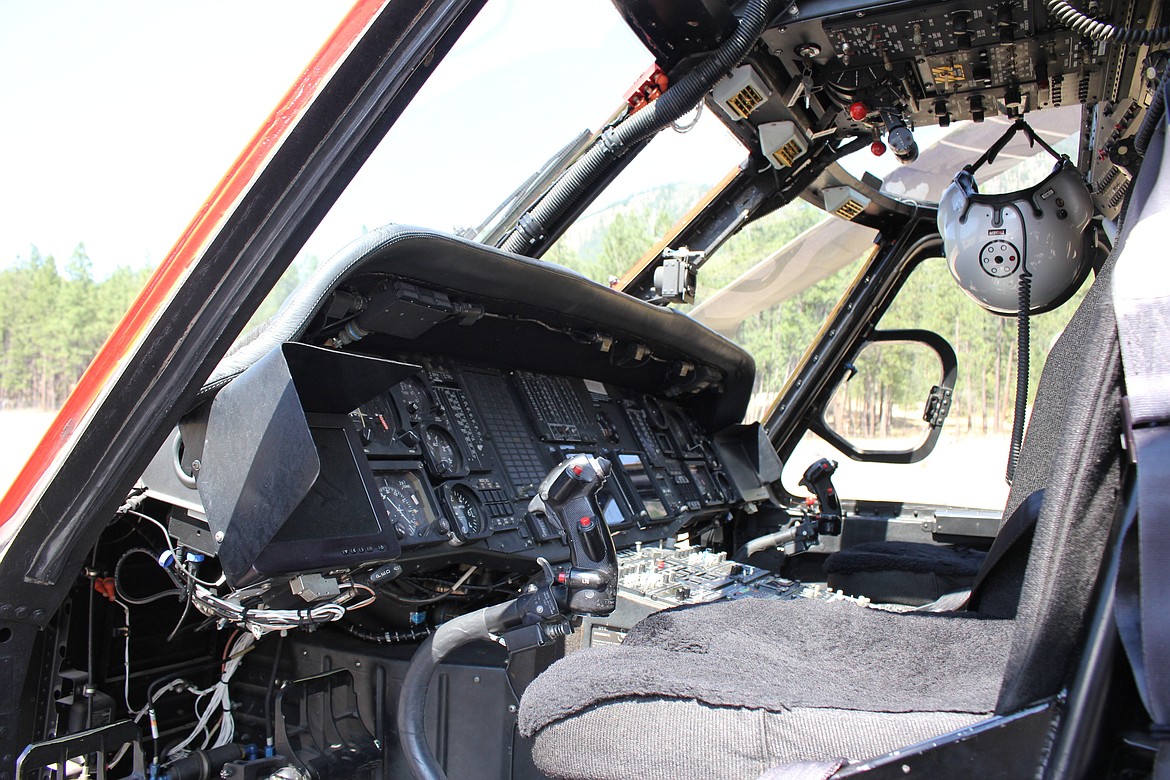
(458, 450)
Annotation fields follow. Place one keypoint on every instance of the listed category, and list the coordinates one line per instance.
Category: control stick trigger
(546, 569)
(819, 479)
(568, 495)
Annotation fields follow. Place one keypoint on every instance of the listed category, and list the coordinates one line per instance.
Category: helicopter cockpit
(688, 482)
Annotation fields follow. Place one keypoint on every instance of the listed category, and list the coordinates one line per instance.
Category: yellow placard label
(948, 74)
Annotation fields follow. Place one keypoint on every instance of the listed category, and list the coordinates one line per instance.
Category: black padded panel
(911, 573)
(906, 556)
(1073, 450)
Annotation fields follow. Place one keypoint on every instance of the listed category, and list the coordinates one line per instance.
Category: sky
(121, 117)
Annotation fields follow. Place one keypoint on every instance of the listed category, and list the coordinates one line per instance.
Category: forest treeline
(892, 383)
(52, 322)
(53, 319)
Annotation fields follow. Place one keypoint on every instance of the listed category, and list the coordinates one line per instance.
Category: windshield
(944, 151)
(511, 93)
(657, 189)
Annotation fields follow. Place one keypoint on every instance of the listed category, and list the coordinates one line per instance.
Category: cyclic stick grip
(568, 497)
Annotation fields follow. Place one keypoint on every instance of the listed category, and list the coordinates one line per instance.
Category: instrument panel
(457, 452)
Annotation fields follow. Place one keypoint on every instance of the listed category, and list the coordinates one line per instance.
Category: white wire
(262, 621)
(679, 127)
(179, 566)
(126, 657)
(220, 700)
(371, 597)
(138, 715)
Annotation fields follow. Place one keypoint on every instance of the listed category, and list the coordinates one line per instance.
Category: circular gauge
(383, 416)
(402, 494)
(414, 395)
(376, 423)
(442, 451)
(466, 511)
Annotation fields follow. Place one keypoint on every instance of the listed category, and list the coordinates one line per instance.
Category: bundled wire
(219, 701)
(176, 684)
(261, 621)
(203, 595)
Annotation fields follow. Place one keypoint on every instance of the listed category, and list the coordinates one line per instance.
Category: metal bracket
(56, 752)
(938, 406)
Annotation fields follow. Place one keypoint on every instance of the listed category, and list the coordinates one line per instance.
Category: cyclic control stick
(568, 498)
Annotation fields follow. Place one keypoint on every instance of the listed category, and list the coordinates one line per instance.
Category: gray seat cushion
(675, 738)
(760, 683)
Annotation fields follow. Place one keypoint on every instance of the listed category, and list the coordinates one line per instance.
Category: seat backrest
(1072, 451)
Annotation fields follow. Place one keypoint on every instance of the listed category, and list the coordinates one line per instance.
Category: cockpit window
(944, 151)
(880, 406)
(654, 191)
(511, 93)
(773, 285)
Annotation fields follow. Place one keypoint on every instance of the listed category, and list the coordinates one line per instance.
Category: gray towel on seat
(774, 655)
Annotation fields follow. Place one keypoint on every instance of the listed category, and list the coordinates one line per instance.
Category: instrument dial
(466, 511)
(376, 422)
(406, 502)
(442, 451)
(414, 395)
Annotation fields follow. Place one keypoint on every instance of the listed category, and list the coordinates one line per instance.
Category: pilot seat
(737, 689)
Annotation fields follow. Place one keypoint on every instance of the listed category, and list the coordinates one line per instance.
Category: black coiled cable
(1023, 361)
(1089, 27)
(615, 142)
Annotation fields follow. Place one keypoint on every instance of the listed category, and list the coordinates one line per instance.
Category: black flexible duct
(1153, 117)
(614, 142)
(1089, 27)
(1023, 363)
